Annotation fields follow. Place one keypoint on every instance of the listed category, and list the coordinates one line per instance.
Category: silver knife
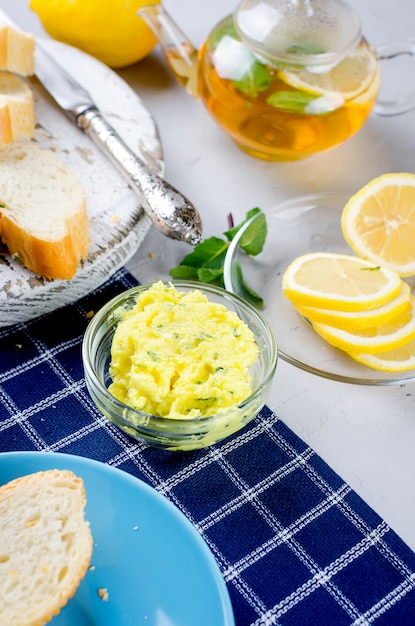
(171, 213)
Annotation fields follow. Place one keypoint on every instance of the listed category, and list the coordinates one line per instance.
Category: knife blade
(169, 210)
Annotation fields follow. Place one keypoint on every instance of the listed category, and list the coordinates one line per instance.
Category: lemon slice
(348, 79)
(358, 320)
(398, 360)
(378, 222)
(379, 338)
(339, 281)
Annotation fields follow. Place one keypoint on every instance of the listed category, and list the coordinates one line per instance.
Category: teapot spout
(179, 52)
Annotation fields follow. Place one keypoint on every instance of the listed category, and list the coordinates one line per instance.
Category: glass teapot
(285, 78)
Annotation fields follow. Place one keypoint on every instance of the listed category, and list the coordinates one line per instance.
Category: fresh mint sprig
(205, 263)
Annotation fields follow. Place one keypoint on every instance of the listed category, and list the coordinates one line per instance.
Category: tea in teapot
(284, 78)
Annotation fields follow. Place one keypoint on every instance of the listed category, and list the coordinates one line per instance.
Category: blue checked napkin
(295, 544)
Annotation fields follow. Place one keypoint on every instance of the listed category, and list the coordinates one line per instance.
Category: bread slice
(16, 51)
(17, 113)
(45, 547)
(43, 215)
(17, 116)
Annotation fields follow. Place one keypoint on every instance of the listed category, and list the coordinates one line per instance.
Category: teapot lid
(305, 34)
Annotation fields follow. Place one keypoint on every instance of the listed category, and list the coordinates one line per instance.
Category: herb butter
(176, 354)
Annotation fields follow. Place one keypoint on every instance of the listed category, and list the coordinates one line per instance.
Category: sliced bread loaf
(43, 216)
(45, 548)
(16, 51)
(17, 115)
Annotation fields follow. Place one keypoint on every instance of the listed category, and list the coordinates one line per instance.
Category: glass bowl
(299, 226)
(168, 433)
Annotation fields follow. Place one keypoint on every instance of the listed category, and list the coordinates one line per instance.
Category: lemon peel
(352, 76)
(378, 222)
(339, 281)
(358, 320)
(372, 340)
(400, 359)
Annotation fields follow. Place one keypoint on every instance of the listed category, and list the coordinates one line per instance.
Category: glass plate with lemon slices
(310, 225)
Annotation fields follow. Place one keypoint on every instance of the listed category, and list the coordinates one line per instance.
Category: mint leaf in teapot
(256, 79)
(310, 48)
(292, 101)
(225, 29)
(305, 103)
(205, 263)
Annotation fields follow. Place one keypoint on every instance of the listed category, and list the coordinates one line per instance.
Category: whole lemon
(109, 30)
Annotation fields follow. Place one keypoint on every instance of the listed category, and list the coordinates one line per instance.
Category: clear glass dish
(168, 433)
(299, 226)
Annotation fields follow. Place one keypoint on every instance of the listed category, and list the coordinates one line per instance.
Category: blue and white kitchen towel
(295, 544)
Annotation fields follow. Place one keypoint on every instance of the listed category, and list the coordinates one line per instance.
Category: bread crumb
(151, 255)
(89, 315)
(103, 593)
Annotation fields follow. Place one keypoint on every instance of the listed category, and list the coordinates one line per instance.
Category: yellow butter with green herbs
(176, 354)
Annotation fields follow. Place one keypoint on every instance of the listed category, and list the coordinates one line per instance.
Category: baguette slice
(45, 548)
(43, 216)
(16, 51)
(17, 113)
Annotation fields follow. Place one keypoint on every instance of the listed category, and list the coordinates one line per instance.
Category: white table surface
(366, 434)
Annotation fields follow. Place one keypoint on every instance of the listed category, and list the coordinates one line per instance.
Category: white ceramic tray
(117, 223)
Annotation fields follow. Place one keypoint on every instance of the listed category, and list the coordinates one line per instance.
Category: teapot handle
(388, 108)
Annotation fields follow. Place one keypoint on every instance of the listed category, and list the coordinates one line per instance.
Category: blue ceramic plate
(156, 567)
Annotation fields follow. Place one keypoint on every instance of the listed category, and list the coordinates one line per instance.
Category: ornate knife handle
(172, 213)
